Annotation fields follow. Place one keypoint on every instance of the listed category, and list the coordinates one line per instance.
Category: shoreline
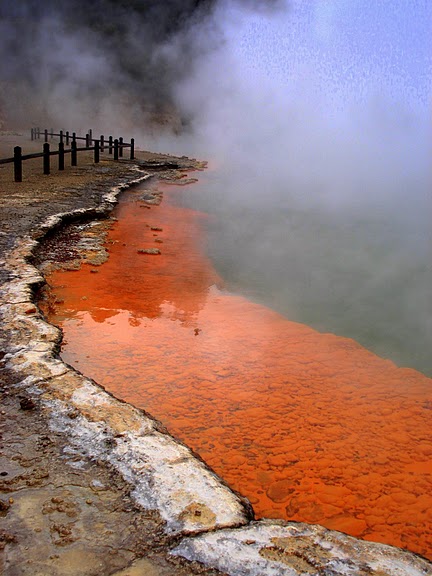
(92, 426)
(308, 426)
(81, 508)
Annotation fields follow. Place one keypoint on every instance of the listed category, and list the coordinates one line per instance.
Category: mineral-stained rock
(154, 197)
(27, 404)
(277, 548)
(153, 251)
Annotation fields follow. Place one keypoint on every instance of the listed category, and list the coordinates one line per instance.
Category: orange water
(309, 426)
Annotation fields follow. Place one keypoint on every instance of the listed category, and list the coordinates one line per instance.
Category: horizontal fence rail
(114, 146)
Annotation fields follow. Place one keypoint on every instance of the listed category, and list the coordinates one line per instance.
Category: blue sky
(343, 49)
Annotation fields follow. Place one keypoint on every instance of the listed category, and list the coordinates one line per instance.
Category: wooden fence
(114, 146)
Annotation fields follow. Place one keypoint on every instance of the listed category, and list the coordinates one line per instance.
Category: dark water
(361, 270)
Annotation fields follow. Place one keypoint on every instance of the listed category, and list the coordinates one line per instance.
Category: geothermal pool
(309, 426)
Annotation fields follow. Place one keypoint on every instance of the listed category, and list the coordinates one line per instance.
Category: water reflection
(309, 426)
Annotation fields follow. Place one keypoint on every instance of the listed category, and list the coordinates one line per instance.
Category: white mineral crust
(272, 548)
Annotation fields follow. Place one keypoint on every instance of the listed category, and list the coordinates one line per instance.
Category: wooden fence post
(132, 149)
(61, 156)
(87, 140)
(110, 145)
(90, 132)
(46, 135)
(96, 151)
(116, 149)
(73, 151)
(46, 158)
(121, 147)
(18, 164)
(102, 142)
(32, 134)
(38, 133)
(67, 137)
(61, 136)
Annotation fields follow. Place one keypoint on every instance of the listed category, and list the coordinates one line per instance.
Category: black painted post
(38, 133)
(17, 164)
(61, 136)
(90, 136)
(116, 149)
(73, 151)
(132, 151)
(96, 151)
(46, 135)
(102, 142)
(110, 144)
(46, 158)
(61, 156)
(32, 134)
(74, 137)
(87, 140)
(120, 147)
(67, 137)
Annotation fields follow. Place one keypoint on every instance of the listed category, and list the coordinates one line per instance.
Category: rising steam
(116, 62)
(319, 122)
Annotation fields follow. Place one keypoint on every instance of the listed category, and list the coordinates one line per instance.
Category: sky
(353, 48)
(334, 54)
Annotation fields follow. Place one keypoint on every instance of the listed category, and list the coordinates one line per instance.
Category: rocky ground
(56, 517)
(91, 486)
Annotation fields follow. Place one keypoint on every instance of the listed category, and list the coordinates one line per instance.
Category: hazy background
(315, 115)
(114, 62)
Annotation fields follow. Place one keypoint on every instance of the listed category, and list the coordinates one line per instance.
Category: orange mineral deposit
(309, 426)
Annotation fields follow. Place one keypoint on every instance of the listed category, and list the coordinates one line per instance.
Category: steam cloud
(319, 125)
(113, 61)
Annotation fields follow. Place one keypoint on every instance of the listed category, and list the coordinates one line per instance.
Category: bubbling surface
(309, 426)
